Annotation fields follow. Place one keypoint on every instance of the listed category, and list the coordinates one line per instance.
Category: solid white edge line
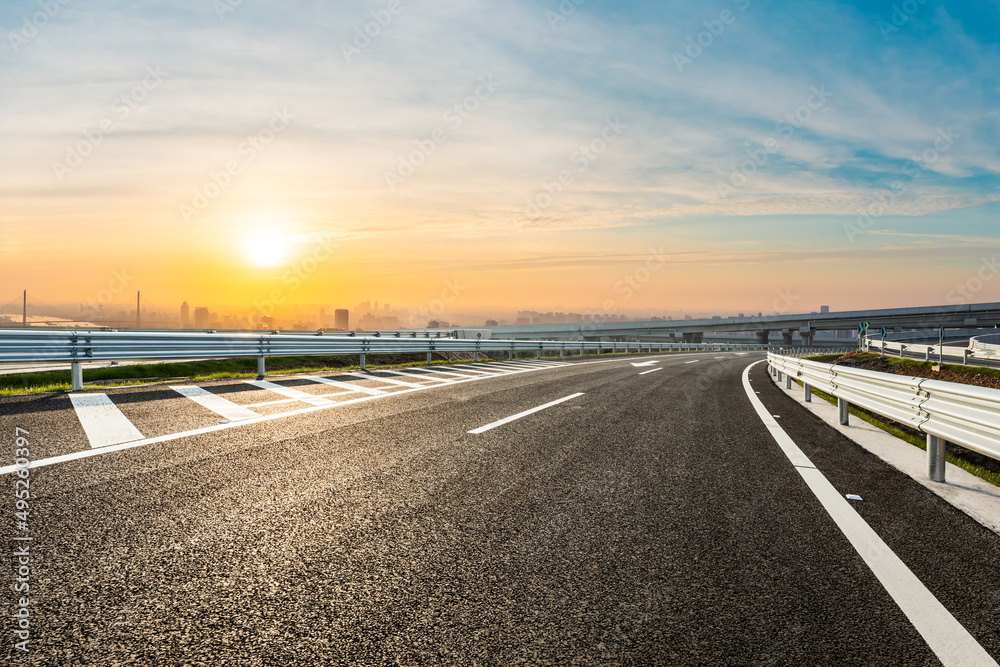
(652, 371)
(946, 637)
(507, 420)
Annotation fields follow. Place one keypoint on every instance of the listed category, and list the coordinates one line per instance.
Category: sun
(265, 248)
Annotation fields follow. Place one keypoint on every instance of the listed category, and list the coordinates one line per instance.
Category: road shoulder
(973, 496)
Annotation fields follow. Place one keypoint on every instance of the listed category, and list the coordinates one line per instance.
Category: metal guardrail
(76, 347)
(941, 352)
(966, 415)
(986, 346)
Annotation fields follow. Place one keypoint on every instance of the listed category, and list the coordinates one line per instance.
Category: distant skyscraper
(341, 319)
(201, 317)
(185, 315)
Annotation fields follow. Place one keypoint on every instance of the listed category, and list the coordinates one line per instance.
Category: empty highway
(621, 511)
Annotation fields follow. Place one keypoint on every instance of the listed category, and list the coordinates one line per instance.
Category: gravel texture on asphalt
(651, 521)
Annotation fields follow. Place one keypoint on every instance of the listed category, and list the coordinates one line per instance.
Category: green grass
(913, 363)
(825, 358)
(916, 441)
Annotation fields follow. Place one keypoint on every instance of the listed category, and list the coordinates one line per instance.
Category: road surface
(601, 513)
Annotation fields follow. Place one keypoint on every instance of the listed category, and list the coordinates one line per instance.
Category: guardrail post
(429, 358)
(935, 457)
(965, 357)
(807, 392)
(845, 411)
(927, 354)
(260, 367)
(76, 375)
(788, 381)
(362, 361)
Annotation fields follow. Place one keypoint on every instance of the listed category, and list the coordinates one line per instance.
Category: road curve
(649, 520)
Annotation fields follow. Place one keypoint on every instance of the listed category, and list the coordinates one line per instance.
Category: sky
(707, 157)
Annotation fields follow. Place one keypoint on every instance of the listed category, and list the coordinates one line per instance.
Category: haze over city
(639, 159)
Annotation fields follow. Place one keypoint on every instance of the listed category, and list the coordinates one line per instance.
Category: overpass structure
(805, 324)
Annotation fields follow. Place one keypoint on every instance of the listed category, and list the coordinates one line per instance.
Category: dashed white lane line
(290, 392)
(519, 415)
(103, 422)
(343, 385)
(217, 404)
(693, 361)
(947, 638)
(652, 371)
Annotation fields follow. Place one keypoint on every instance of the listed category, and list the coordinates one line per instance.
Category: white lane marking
(290, 392)
(720, 357)
(76, 456)
(482, 369)
(507, 420)
(215, 403)
(427, 370)
(652, 371)
(645, 363)
(538, 364)
(375, 378)
(344, 385)
(416, 377)
(278, 402)
(85, 454)
(693, 361)
(103, 422)
(465, 370)
(947, 638)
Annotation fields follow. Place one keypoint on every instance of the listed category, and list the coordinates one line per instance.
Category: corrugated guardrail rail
(966, 415)
(76, 347)
(986, 346)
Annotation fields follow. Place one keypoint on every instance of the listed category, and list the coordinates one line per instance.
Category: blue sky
(835, 100)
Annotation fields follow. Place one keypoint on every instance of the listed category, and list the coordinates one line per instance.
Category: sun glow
(265, 248)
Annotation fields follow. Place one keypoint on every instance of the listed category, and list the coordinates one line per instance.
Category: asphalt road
(653, 520)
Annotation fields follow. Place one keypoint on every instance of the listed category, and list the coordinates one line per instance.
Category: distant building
(341, 319)
(202, 318)
(492, 323)
(185, 315)
(824, 309)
